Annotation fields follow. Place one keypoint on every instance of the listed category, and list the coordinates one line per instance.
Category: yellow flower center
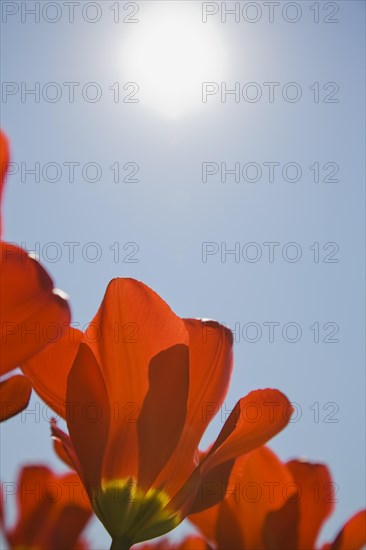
(129, 513)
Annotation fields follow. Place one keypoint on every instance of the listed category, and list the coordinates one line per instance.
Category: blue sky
(155, 228)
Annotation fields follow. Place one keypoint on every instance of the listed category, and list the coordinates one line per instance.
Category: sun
(170, 53)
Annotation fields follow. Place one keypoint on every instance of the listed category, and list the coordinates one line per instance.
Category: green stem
(120, 544)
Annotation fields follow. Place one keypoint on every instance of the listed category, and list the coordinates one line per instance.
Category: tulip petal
(316, 498)
(33, 504)
(210, 356)
(353, 534)
(61, 452)
(15, 395)
(281, 527)
(211, 362)
(212, 488)
(306, 510)
(228, 530)
(88, 415)
(66, 531)
(49, 369)
(192, 543)
(65, 451)
(206, 520)
(134, 324)
(256, 487)
(53, 510)
(254, 420)
(4, 161)
(4, 157)
(32, 315)
(163, 412)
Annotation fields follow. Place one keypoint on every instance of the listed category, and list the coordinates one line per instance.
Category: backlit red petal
(15, 393)
(32, 315)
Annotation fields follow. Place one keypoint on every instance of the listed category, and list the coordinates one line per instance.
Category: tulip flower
(52, 511)
(32, 313)
(270, 505)
(140, 394)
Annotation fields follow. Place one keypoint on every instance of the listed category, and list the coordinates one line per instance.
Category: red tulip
(52, 511)
(270, 505)
(136, 402)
